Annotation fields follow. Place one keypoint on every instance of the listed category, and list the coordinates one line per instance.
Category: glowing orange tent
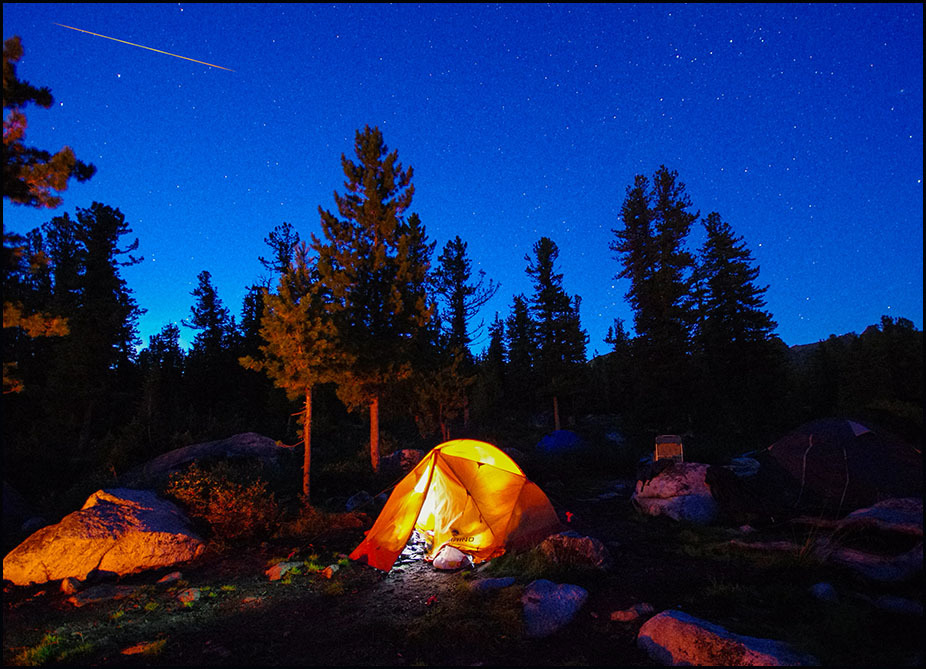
(465, 493)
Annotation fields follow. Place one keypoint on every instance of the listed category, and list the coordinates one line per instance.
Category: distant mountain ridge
(800, 353)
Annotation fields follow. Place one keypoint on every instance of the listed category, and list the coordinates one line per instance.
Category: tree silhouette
(462, 299)
(737, 355)
(31, 176)
(560, 340)
(521, 343)
(374, 261)
(650, 247)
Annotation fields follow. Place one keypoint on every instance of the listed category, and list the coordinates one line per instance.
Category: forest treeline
(359, 339)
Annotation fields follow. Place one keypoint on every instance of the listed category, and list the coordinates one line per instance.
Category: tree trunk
(307, 443)
(555, 412)
(374, 433)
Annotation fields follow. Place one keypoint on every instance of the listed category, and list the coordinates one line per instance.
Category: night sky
(802, 125)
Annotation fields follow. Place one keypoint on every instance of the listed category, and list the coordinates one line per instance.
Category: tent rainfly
(841, 465)
(463, 493)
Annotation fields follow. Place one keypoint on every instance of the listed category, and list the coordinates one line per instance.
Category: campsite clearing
(416, 615)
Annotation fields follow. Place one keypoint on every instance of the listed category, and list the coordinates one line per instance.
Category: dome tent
(463, 493)
(839, 465)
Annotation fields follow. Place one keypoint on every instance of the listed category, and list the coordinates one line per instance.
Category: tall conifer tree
(560, 339)
(302, 349)
(462, 298)
(374, 261)
(650, 247)
(735, 345)
(521, 343)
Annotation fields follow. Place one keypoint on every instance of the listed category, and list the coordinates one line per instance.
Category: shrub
(53, 649)
(233, 509)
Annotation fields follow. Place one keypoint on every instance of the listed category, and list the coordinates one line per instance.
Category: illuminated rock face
(118, 530)
(674, 638)
(679, 492)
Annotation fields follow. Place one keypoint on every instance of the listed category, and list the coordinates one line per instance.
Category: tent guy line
(142, 46)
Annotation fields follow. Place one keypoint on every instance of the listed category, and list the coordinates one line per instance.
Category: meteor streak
(142, 46)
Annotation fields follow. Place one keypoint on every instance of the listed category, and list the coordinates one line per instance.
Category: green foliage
(233, 510)
(477, 620)
(53, 649)
(309, 522)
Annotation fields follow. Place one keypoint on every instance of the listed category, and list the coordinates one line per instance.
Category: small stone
(280, 569)
(632, 613)
(824, 592)
(489, 584)
(189, 595)
(70, 585)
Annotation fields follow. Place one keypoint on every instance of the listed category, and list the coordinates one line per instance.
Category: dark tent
(560, 441)
(835, 466)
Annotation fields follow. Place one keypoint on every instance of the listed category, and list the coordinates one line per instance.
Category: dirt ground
(417, 615)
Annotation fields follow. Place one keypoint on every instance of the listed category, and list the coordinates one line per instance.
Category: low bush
(233, 509)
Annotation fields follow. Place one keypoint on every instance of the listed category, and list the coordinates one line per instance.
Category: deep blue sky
(802, 125)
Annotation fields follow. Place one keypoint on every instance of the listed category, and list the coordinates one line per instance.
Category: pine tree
(163, 398)
(212, 366)
(560, 340)
(106, 301)
(617, 369)
(461, 298)
(31, 176)
(521, 343)
(492, 379)
(101, 310)
(82, 385)
(210, 317)
(374, 261)
(732, 310)
(283, 241)
(650, 248)
(302, 349)
(738, 355)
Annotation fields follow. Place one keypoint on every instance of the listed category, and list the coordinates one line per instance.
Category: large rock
(573, 549)
(676, 638)
(550, 606)
(903, 516)
(873, 566)
(248, 445)
(680, 492)
(886, 541)
(118, 530)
